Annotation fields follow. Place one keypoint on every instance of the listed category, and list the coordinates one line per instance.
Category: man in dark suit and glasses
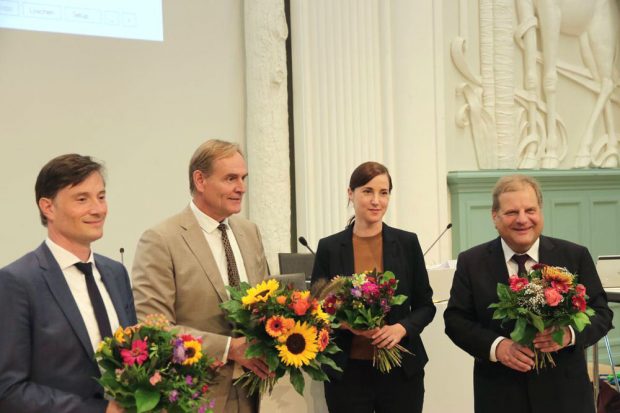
(58, 301)
(505, 379)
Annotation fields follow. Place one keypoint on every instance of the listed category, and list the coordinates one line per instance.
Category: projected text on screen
(136, 19)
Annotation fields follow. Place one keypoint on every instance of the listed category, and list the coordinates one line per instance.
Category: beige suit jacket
(174, 274)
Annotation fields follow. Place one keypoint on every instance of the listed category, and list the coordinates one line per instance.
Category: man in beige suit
(183, 265)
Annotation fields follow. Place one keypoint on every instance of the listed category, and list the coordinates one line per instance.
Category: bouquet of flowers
(150, 368)
(284, 326)
(362, 301)
(546, 297)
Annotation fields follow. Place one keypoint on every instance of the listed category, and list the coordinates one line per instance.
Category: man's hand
(515, 356)
(114, 407)
(389, 336)
(545, 343)
(236, 352)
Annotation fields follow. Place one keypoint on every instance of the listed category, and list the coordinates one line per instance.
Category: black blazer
(403, 256)
(47, 362)
(469, 324)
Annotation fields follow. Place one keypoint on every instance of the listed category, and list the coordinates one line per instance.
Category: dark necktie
(103, 322)
(521, 260)
(231, 264)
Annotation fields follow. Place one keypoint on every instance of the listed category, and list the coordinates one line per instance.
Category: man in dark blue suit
(58, 301)
(504, 376)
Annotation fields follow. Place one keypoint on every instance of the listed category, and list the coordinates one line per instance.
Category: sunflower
(300, 346)
(278, 325)
(323, 339)
(192, 352)
(261, 292)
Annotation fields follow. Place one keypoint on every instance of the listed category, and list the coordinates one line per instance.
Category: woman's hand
(388, 336)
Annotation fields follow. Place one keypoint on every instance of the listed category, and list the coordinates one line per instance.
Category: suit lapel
(546, 252)
(248, 250)
(59, 288)
(391, 259)
(195, 239)
(496, 262)
(113, 291)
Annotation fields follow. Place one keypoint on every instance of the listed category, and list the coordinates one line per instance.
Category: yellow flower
(119, 335)
(193, 351)
(261, 292)
(300, 346)
(557, 274)
(320, 315)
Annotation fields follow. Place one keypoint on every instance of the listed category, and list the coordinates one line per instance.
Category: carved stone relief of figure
(538, 137)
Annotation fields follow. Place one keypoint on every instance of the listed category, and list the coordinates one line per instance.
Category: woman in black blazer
(366, 244)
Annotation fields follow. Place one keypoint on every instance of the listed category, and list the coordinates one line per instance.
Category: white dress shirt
(77, 284)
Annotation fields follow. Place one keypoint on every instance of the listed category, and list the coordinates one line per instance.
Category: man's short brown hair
(61, 172)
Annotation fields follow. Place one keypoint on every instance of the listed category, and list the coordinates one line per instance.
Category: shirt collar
(65, 258)
(532, 252)
(207, 223)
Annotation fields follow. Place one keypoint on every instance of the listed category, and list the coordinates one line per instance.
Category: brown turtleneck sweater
(367, 256)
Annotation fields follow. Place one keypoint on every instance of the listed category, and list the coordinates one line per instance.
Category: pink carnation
(580, 290)
(517, 283)
(560, 286)
(553, 297)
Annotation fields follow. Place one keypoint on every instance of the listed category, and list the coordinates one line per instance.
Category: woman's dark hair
(365, 173)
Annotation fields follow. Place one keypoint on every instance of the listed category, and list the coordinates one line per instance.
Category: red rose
(579, 302)
(553, 297)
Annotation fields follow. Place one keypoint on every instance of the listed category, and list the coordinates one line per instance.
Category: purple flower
(196, 395)
(174, 395)
(202, 409)
(178, 353)
(211, 404)
(355, 292)
(189, 380)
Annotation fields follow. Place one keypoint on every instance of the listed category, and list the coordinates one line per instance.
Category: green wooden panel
(564, 218)
(582, 206)
(605, 236)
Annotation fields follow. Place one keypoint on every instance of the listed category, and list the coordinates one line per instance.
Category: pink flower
(553, 297)
(370, 289)
(580, 290)
(517, 283)
(137, 354)
(579, 302)
(155, 378)
(560, 286)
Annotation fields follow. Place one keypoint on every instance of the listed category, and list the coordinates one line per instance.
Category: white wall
(141, 107)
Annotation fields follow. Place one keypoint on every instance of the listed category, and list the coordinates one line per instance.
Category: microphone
(303, 242)
(122, 251)
(438, 238)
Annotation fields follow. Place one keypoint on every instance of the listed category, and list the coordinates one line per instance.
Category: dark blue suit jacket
(469, 324)
(47, 363)
(403, 256)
